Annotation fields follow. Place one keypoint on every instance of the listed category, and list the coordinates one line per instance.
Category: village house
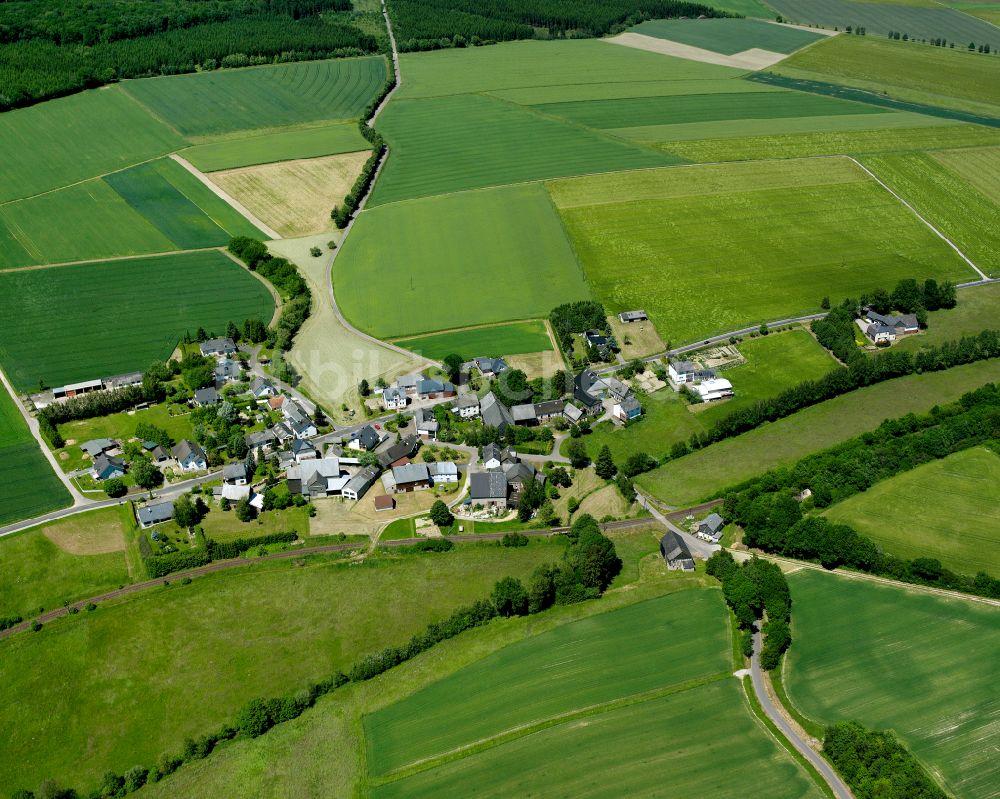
(467, 406)
(303, 450)
(488, 489)
(426, 423)
(262, 440)
(628, 410)
(227, 371)
(443, 472)
(399, 453)
(495, 456)
(495, 413)
(533, 414)
(571, 413)
(880, 328)
(150, 515)
(320, 477)
(367, 438)
(360, 483)
(435, 389)
(107, 467)
(206, 396)
(98, 446)
(298, 420)
(490, 367)
(408, 383)
(394, 398)
(681, 372)
(518, 475)
(627, 317)
(261, 388)
(234, 474)
(190, 456)
(216, 347)
(157, 454)
(675, 553)
(406, 478)
(710, 528)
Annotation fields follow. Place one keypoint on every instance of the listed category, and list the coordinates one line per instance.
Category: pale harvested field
(332, 358)
(754, 58)
(536, 364)
(91, 534)
(642, 335)
(360, 518)
(294, 197)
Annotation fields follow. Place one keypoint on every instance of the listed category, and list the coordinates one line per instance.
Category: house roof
(393, 394)
(487, 485)
(96, 446)
(713, 522)
(571, 412)
(384, 502)
(632, 316)
(522, 413)
(630, 404)
(431, 386)
(105, 466)
(360, 482)
(183, 450)
(494, 365)
(673, 547)
(409, 381)
(260, 386)
(442, 469)
(228, 368)
(491, 452)
(368, 437)
(494, 412)
(410, 473)
(596, 338)
(233, 492)
(469, 400)
(682, 367)
(154, 514)
(549, 408)
(218, 345)
(908, 321)
(519, 471)
(260, 438)
(206, 396)
(404, 448)
(581, 396)
(234, 471)
(299, 446)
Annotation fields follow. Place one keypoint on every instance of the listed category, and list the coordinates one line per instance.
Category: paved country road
(837, 785)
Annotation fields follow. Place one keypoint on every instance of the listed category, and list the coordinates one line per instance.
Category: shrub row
(6, 622)
(590, 563)
(162, 565)
(224, 550)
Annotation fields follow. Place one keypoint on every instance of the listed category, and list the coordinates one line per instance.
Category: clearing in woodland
(949, 507)
(155, 301)
(456, 260)
(586, 688)
(707, 472)
(294, 197)
(893, 658)
(227, 100)
(270, 623)
(712, 248)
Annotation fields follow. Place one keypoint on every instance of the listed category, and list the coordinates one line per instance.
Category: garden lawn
(122, 426)
(641, 648)
(707, 472)
(71, 139)
(224, 526)
(717, 247)
(222, 101)
(909, 71)
(945, 509)
(487, 342)
(978, 309)
(691, 108)
(312, 142)
(635, 750)
(122, 682)
(774, 363)
(923, 666)
(969, 218)
(47, 566)
(457, 260)
(437, 147)
(117, 316)
(729, 36)
(537, 64)
(30, 486)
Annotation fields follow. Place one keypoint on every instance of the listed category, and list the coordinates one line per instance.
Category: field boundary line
(225, 196)
(538, 725)
(465, 329)
(917, 214)
(107, 260)
(278, 302)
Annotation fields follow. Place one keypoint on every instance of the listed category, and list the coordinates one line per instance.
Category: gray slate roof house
(218, 346)
(495, 413)
(905, 323)
(227, 370)
(711, 527)
(404, 448)
(317, 478)
(632, 316)
(426, 422)
(155, 514)
(443, 472)
(189, 455)
(411, 476)
(675, 552)
(490, 366)
(303, 450)
(235, 473)
(105, 467)
(98, 446)
(488, 488)
(262, 439)
(206, 396)
(367, 437)
(434, 388)
(261, 388)
(360, 483)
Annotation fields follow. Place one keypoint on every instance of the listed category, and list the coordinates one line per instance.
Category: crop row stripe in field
(531, 727)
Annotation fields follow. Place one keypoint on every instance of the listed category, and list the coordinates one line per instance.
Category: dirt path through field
(752, 59)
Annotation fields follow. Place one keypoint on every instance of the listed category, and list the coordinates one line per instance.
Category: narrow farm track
(224, 565)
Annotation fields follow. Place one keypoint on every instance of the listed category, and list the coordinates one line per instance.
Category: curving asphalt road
(837, 785)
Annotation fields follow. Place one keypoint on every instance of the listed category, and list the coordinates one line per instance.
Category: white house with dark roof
(495, 413)
(710, 528)
(467, 406)
(206, 396)
(394, 398)
(675, 552)
(443, 472)
(490, 367)
(107, 467)
(261, 388)
(628, 410)
(426, 423)
(488, 489)
(681, 372)
(360, 483)
(321, 477)
(234, 474)
(217, 346)
(190, 456)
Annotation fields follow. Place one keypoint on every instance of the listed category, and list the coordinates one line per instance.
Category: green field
(30, 486)
(616, 690)
(904, 70)
(74, 138)
(978, 309)
(945, 509)
(980, 168)
(922, 666)
(437, 147)
(970, 219)
(117, 316)
(312, 142)
(671, 110)
(713, 248)
(706, 472)
(123, 682)
(210, 103)
(487, 342)
(453, 261)
(567, 93)
(37, 573)
(748, 8)
(516, 65)
(729, 36)
(729, 147)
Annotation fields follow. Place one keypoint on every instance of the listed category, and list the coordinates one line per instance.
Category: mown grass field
(117, 316)
(905, 70)
(458, 260)
(516, 65)
(714, 248)
(488, 342)
(437, 147)
(210, 103)
(978, 309)
(574, 690)
(613, 90)
(47, 566)
(607, 657)
(671, 110)
(945, 509)
(707, 472)
(729, 36)
(30, 486)
(74, 138)
(980, 168)
(922, 666)
(122, 682)
(723, 145)
(311, 142)
(951, 204)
